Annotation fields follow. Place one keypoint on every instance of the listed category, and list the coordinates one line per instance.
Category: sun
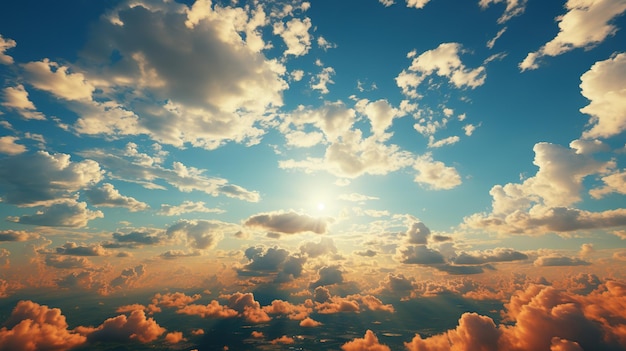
(321, 206)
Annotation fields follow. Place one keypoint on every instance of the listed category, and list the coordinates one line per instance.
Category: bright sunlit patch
(321, 206)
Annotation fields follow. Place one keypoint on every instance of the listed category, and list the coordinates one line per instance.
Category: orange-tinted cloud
(34, 327)
(308, 322)
(368, 343)
(121, 328)
(283, 340)
(174, 337)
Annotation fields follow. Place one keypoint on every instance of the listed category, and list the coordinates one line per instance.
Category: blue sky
(310, 147)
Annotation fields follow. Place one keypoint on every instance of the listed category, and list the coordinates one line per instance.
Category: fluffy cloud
(545, 261)
(58, 80)
(67, 262)
(323, 247)
(203, 104)
(604, 85)
(295, 34)
(187, 207)
(513, 8)
(141, 237)
(6, 44)
(211, 310)
(613, 183)
(16, 98)
(380, 114)
(369, 342)
(108, 196)
(542, 203)
(31, 178)
(133, 166)
(288, 223)
(585, 24)
(435, 174)
(135, 327)
(36, 327)
(8, 146)
(15, 235)
(419, 254)
(328, 275)
(444, 61)
(274, 261)
(64, 213)
(487, 256)
(418, 4)
(541, 318)
(198, 234)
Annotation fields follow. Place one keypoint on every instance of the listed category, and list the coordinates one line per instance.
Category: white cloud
(380, 114)
(187, 207)
(64, 213)
(6, 44)
(469, 129)
(418, 4)
(108, 196)
(542, 203)
(199, 234)
(386, 3)
(513, 8)
(605, 87)
(442, 142)
(16, 98)
(443, 61)
(587, 146)
(295, 34)
(9, 147)
(325, 44)
(58, 80)
(216, 93)
(299, 138)
(492, 41)
(356, 197)
(584, 25)
(134, 168)
(323, 79)
(31, 178)
(613, 183)
(435, 174)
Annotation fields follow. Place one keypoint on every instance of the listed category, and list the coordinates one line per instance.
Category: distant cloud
(418, 4)
(6, 44)
(487, 256)
(63, 213)
(108, 196)
(135, 327)
(368, 342)
(315, 249)
(444, 61)
(547, 261)
(435, 174)
(288, 222)
(328, 275)
(198, 234)
(595, 15)
(356, 197)
(34, 178)
(295, 34)
(8, 146)
(17, 235)
(67, 262)
(513, 8)
(16, 98)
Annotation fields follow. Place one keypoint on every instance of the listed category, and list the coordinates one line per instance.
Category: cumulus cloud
(273, 261)
(543, 202)
(324, 247)
(66, 262)
(418, 4)
(108, 196)
(309, 323)
(8, 146)
(546, 261)
(435, 174)
(133, 166)
(295, 34)
(444, 61)
(288, 223)
(198, 234)
(16, 98)
(6, 44)
(59, 80)
(64, 213)
(369, 342)
(141, 237)
(380, 113)
(328, 275)
(513, 8)
(135, 327)
(540, 318)
(603, 84)
(211, 310)
(487, 256)
(39, 177)
(17, 235)
(74, 249)
(205, 105)
(128, 277)
(585, 24)
(187, 207)
(419, 254)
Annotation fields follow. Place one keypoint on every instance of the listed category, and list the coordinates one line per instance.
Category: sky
(322, 175)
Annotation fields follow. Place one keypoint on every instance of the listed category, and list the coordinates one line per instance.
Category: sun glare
(321, 206)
